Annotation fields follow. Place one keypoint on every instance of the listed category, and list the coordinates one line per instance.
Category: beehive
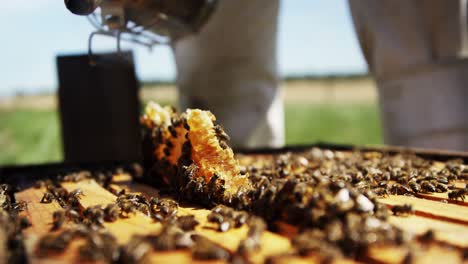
(448, 218)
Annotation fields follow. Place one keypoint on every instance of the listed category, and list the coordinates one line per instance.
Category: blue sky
(315, 37)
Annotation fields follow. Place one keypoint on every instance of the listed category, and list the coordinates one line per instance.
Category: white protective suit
(230, 68)
(414, 49)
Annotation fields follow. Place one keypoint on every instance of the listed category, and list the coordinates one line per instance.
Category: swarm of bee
(177, 231)
(191, 149)
(12, 249)
(330, 196)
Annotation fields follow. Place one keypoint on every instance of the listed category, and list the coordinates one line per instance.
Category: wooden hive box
(447, 218)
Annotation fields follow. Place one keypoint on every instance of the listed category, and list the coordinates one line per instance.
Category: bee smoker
(146, 22)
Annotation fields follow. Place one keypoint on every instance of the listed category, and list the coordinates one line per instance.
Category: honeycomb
(209, 151)
(161, 119)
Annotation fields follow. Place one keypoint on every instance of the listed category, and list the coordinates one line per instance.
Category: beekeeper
(415, 51)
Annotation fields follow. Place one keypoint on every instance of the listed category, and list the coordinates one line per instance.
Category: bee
(110, 247)
(66, 236)
(380, 191)
(135, 251)
(94, 214)
(111, 213)
(223, 145)
(247, 246)
(399, 189)
(60, 193)
(81, 230)
(134, 198)
(312, 241)
(215, 217)
(67, 178)
(167, 207)
(428, 236)
(220, 134)
(451, 186)
(225, 225)
(256, 227)
(253, 240)
(51, 242)
(144, 208)
(154, 201)
(383, 184)
(194, 188)
(455, 166)
(58, 217)
(74, 203)
(126, 197)
(23, 222)
(48, 197)
(380, 211)
(142, 199)
(429, 178)
(81, 175)
(104, 179)
(223, 210)
(118, 193)
(5, 202)
(401, 210)
(126, 208)
(136, 170)
(73, 215)
(19, 206)
(39, 184)
(241, 218)
(402, 180)
(182, 240)
(78, 193)
(89, 252)
(427, 186)
(4, 187)
(441, 187)
(223, 216)
(414, 186)
(442, 179)
(205, 249)
(448, 174)
(166, 240)
(99, 246)
(458, 194)
(191, 170)
(187, 223)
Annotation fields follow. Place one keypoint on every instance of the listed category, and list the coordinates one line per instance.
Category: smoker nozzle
(82, 7)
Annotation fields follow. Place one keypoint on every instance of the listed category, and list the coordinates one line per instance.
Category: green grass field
(33, 136)
(350, 124)
(29, 136)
